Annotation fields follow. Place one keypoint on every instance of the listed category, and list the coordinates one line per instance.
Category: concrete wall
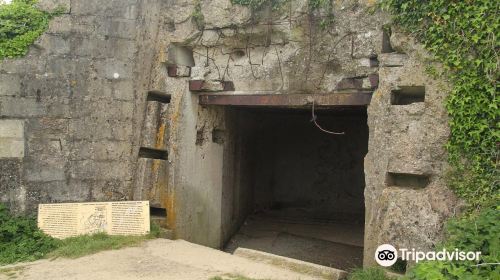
(70, 109)
(287, 52)
(407, 141)
(79, 99)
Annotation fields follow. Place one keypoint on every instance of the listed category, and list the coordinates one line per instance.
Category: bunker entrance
(290, 188)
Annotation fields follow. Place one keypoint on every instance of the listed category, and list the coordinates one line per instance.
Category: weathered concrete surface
(79, 95)
(283, 53)
(406, 139)
(157, 259)
(11, 138)
(321, 272)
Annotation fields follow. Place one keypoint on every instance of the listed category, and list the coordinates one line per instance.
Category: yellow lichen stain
(155, 166)
(160, 137)
(170, 206)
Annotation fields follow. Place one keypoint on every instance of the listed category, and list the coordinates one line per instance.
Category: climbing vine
(463, 36)
(197, 15)
(21, 23)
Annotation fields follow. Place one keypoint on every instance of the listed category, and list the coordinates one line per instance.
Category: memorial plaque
(114, 218)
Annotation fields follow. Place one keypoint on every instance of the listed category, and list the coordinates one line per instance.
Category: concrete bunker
(290, 188)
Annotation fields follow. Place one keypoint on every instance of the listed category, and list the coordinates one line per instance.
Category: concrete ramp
(309, 269)
(159, 259)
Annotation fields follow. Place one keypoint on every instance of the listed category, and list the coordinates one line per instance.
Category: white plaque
(115, 218)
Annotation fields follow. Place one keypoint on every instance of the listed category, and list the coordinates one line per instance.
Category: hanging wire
(314, 117)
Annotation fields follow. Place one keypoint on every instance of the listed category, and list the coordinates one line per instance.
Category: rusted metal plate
(288, 100)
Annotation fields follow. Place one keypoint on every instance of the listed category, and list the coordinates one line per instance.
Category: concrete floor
(332, 244)
(158, 259)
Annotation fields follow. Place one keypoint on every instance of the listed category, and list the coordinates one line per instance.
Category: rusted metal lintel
(287, 100)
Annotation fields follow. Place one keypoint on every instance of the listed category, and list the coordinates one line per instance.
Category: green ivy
(479, 233)
(327, 8)
(21, 240)
(464, 37)
(197, 15)
(21, 23)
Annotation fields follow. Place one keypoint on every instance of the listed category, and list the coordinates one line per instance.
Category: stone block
(99, 150)
(42, 86)
(350, 83)
(94, 47)
(407, 219)
(392, 59)
(122, 130)
(206, 85)
(178, 71)
(46, 151)
(103, 110)
(10, 84)
(118, 28)
(11, 138)
(123, 90)
(10, 177)
(55, 192)
(53, 44)
(114, 69)
(63, 6)
(101, 129)
(103, 170)
(12, 129)
(60, 24)
(111, 190)
(47, 127)
(126, 9)
(368, 62)
(44, 173)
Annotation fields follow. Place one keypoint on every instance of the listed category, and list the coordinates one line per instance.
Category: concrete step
(310, 269)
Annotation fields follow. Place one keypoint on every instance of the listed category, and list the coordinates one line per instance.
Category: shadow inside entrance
(337, 245)
(292, 190)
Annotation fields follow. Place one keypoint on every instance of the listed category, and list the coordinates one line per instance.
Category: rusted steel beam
(287, 100)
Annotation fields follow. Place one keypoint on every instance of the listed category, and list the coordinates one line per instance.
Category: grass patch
(22, 241)
(370, 273)
(75, 247)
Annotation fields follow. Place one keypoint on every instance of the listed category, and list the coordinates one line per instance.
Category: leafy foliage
(20, 239)
(475, 233)
(324, 6)
(197, 15)
(21, 23)
(370, 273)
(463, 35)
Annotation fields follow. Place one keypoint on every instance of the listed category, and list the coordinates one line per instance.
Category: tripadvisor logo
(387, 255)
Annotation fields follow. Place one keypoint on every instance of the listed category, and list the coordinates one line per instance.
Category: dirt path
(156, 259)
